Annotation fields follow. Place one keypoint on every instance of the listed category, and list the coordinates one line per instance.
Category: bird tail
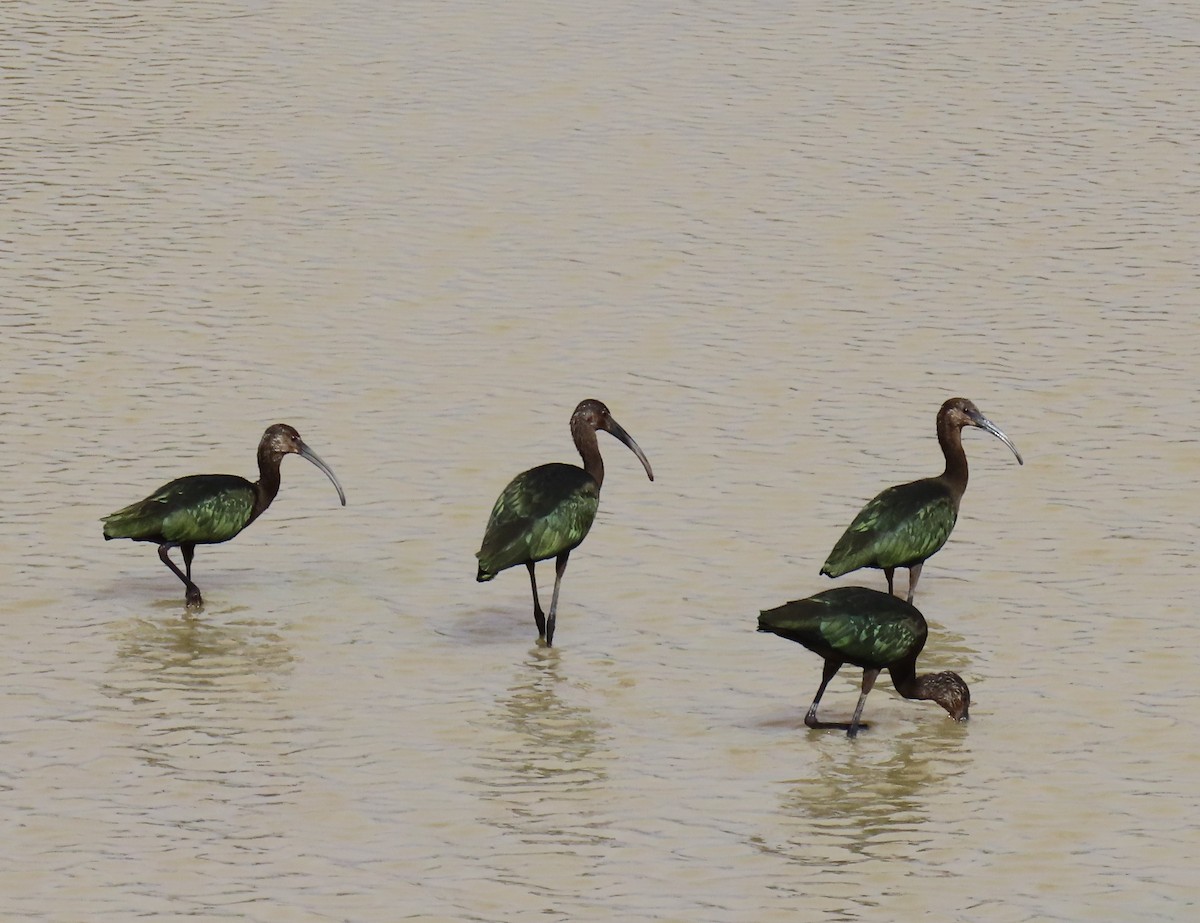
(840, 569)
(116, 526)
(483, 576)
(138, 521)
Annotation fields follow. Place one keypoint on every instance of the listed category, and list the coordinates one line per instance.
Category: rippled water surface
(773, 238)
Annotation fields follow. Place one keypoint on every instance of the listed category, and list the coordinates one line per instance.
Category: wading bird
(872, 630)
(206, 509)
(908, 523)
(546, 512)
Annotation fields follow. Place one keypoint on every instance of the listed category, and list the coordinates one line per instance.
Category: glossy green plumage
(547, 511)
(540, 514)
(874, 631)
(200, 509)
(904, 525)
(205, 509)
(900, 527)
(851, 624)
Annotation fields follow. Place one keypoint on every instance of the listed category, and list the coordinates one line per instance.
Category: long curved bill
(306, 452)
(619, 431)
(984, 423)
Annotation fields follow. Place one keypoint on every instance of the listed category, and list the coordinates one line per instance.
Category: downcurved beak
(619, 431)
(984, 423)
(306, 452)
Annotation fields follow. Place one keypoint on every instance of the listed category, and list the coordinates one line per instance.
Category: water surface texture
(773, 238)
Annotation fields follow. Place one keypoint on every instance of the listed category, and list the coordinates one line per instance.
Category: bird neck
(912, 686)
(589, 450)
(906, 681)
(267, 486)
(950, 439)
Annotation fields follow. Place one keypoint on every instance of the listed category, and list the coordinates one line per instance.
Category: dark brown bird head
(594, 415)
(280, 440)
(950, 692)
(959, 412)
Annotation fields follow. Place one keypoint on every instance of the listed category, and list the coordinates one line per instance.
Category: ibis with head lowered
(872, 630)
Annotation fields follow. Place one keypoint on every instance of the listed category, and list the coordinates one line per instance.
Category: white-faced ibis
(205, 509)
(872, 630)
(908, 523)
(546, 512)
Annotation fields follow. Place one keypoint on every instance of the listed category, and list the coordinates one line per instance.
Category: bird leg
(560, 565)
(867, 683)
(831, 668)
(193, 591)
(914, 574)
(890, 572)
(538, 616)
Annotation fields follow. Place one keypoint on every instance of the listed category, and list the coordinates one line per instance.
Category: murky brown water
(773, 240)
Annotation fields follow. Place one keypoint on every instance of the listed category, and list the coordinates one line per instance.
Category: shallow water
(773, 240)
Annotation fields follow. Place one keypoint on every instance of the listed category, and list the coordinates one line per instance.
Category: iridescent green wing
(903, 525)
(542, 513)
(872, 638)
(202, 508)
(852, 624)
(798, 620)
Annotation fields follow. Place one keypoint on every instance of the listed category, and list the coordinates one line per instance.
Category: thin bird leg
(193, 591)
(914, 574)
(560, 565)
(538, 616)
(831, 668)
(166, 559)
(889, 572)
(867, 683)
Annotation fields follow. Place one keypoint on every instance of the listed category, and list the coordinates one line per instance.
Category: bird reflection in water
(856, 806)
(545, 758)
(192, 654)
(206, 720)
(192, 681)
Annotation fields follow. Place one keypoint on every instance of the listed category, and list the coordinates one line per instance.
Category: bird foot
(837, 726)
(193, 597)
